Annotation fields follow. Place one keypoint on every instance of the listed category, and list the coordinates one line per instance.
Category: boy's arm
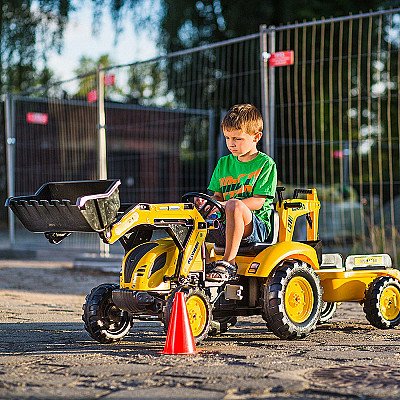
(264, 187)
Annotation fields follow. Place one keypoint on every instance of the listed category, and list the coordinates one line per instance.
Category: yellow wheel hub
(389, 303)
(299, 299)
(197, 312)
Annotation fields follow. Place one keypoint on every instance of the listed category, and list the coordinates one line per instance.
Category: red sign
(281, 58)
(338, 154)
(109, 80)
(37, 118)
(92, 96)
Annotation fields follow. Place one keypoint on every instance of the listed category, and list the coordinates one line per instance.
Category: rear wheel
(104, 321)
(199, 312)
(382, 302)
(292, 300)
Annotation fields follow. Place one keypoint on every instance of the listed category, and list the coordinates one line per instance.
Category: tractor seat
(252, 249)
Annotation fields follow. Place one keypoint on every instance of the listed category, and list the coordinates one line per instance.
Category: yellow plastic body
(159, 215)
(272, 256)
(340, 286)
(263, 263)
(142, 276)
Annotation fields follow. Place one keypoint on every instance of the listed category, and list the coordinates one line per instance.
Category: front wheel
(198, 308)
(104, 321)
(382, 302)
(292, 300)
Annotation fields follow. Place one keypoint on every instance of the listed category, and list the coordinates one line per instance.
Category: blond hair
(245, 117)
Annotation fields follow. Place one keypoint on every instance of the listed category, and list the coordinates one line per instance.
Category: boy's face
(240, 143)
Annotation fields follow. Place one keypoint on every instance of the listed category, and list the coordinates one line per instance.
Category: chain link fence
(51, 135)
(3, 172)
(332, 117)
(338, 126)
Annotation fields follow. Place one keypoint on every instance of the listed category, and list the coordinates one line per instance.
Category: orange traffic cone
(180, 338)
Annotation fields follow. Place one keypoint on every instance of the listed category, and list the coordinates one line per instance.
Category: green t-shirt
(240, 180)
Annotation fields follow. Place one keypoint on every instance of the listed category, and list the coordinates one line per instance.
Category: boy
(244, 182)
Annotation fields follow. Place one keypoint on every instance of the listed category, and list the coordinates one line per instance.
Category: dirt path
(46, 354)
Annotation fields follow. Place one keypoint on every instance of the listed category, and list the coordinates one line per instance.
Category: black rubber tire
(328, 310)
(105, 322)
(275, 313)
(372, 304)
(189, 292)
(221, 325)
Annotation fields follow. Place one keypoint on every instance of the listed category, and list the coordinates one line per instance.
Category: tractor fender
(268, 259)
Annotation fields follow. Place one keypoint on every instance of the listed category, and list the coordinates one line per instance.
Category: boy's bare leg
(238, 225)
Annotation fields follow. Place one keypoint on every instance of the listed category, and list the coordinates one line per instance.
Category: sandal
(222, 271)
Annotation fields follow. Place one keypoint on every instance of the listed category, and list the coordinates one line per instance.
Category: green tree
(28, 30)
(87, 71)
(147, 85)
(31, 29)
(189, 23)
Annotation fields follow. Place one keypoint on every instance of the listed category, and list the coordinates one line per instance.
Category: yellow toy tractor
(291, 284)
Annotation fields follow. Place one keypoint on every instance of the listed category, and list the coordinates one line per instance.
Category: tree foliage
(28, 30)
(87, 71)
(189, 23)
(31, 29)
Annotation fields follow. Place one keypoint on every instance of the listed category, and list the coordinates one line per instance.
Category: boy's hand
(199, 202)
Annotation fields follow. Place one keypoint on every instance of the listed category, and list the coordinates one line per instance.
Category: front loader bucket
(73, 206)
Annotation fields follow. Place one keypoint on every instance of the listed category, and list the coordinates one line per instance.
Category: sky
(79, 41)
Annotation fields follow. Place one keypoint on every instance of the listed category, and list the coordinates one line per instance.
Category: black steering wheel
(206, 209)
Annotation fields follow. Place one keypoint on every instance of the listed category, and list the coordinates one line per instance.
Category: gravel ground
(46, 354)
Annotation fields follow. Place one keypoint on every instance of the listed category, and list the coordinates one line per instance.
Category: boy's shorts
(259, 234)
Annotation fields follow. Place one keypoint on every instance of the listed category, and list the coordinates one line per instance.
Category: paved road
(45, 353)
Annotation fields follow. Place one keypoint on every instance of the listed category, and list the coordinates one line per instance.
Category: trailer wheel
(327, 311)
(382, 302)
(104, 321)
(199, 311)
(292, 300)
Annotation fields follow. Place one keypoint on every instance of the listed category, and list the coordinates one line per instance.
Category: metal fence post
(271, 79)
(267, 46)
(102, 142)
(101, 125)
(211, 143)
(264, 87)
(10, 152)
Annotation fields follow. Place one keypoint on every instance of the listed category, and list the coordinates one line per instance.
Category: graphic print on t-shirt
(239, 187)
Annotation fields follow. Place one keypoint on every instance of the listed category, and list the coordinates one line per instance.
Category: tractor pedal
(233, 292)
